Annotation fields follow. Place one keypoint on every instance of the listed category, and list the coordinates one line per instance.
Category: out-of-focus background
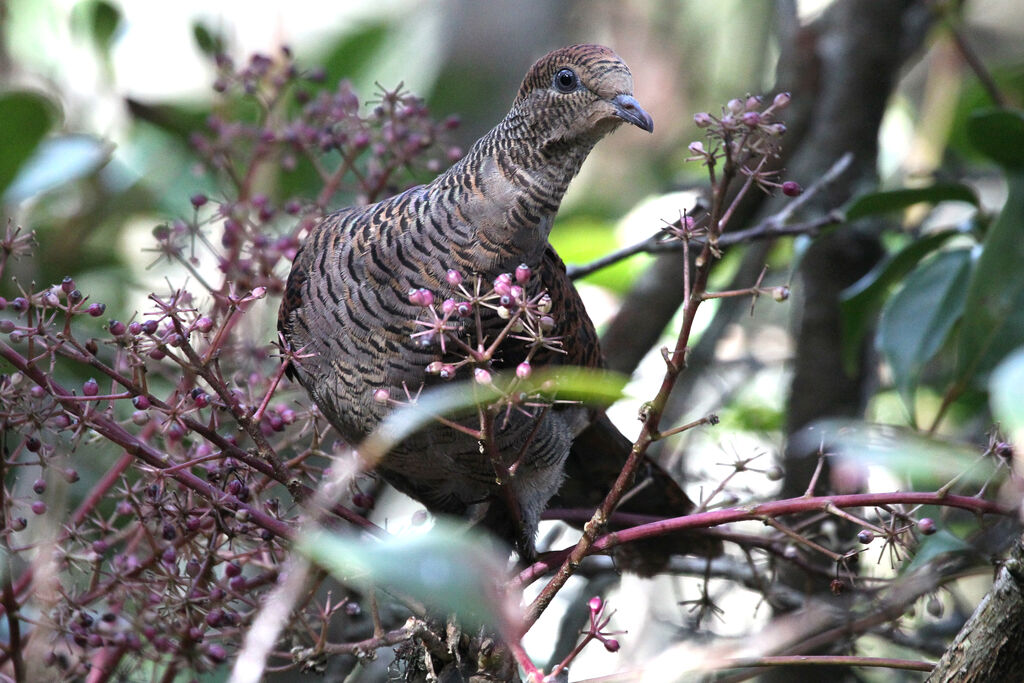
(126, 84)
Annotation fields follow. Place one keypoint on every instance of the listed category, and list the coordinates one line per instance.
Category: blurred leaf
(25, 117)
(100, 20)
(450, 569)
(897, 200)
(179, 120)
(942, 542)
(209, 41)
(917, 320)
(105, 21)
(569, 383)
(975, 97)
(582, 240)
(58, 160)
(1006, 389)
(903, 451)
(752, 417)
(355, 51)
(999, 135)
(993, 323)
(862, 300)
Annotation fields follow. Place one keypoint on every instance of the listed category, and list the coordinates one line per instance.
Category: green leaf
(917, 320)
(582, 239)
(209, 41)
(942, 542)
(862, 300)
(25, 117)
(105, 21)
(999, 135)
(897, 200)
(356, 51)
(99, 19)
(568, 383)
(450, 569)
(1006, 393)
(993, 323)
(58, 160)
(917, 456)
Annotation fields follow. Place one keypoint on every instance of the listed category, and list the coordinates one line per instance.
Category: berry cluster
(165, 428)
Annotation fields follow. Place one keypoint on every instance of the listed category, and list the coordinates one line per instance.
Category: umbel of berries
(347, 305)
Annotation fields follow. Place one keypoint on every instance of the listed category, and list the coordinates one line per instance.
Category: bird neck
(507, 190)
(536, 150)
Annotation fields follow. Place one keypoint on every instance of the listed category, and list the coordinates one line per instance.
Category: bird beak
(629, 110)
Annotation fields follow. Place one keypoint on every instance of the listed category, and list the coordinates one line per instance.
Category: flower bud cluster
(746, 133)
(471, 322)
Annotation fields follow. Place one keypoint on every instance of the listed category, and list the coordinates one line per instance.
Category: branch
(774, 226)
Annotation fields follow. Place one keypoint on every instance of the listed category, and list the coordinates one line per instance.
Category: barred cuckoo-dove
(347, 304)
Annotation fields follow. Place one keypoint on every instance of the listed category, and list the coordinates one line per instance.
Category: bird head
(577, 94)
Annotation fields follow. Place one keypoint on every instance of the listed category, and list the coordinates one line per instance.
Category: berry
(792, 189)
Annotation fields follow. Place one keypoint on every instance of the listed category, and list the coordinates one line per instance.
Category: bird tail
(595, 460)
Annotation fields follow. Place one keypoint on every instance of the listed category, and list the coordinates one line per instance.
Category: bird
(347, 303)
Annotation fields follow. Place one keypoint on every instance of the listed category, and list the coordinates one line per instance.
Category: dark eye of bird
(566, 81)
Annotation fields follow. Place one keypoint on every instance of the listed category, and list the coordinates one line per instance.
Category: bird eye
(566, 81)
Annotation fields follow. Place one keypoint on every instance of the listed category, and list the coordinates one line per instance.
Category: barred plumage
(347, 305)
